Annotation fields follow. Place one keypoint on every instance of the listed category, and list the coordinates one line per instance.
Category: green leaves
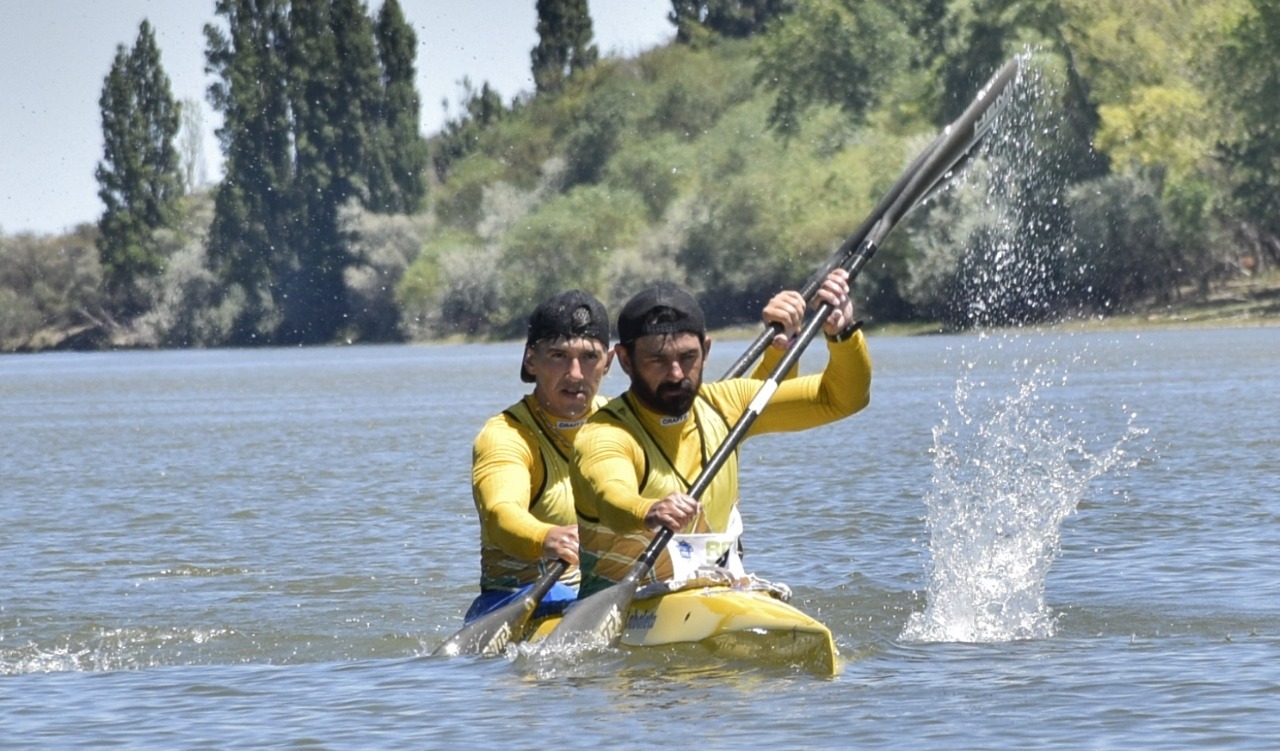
(564, 42)
(319, 111)
(837, 52)
(668, 165)
(139, 179)
(396, 167)
(566, 243)
(1250, 76)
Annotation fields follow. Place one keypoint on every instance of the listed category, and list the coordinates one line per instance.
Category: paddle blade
(596, 621)
(489, 634)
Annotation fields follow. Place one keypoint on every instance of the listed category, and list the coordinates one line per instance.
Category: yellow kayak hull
(733, 623)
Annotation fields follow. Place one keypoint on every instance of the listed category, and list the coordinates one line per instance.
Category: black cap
(570, 314)
(661, 309)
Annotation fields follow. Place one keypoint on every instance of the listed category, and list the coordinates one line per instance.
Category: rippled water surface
(1059, 540)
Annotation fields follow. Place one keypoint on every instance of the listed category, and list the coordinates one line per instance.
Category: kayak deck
(733, 623)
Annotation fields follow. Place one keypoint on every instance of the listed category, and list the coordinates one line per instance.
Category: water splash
(102, 648)
(1011, 463)
(1013, 456)
(995, 246)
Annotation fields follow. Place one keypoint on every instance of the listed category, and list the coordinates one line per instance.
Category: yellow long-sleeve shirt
(520, 485)
(610, 465)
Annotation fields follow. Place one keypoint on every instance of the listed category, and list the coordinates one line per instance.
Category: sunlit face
(567, 374)
(666, 370)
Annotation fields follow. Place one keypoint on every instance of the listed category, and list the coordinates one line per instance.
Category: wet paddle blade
(490, 634)
(596, 621)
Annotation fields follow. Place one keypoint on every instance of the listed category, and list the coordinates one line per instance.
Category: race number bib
(691, 552)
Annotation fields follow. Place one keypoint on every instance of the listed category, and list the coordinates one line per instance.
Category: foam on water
(101, 648)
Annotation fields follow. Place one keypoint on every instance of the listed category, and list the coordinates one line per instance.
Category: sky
(55, 54)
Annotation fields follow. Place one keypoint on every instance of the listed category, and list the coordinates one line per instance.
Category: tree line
(730, 160)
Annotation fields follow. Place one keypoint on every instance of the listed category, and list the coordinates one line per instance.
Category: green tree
(840, 52)
(139, 177)
(303, 95)
(593, 140)
(460, 136)
(565, 243)
(725, 254)
(982, 34)
(1250, 79)
(1146, 67)
(249, 242)
(334, 83)
(564, 42)
(696, 21)
(1126, 249)
(51, 292)
(397, 166)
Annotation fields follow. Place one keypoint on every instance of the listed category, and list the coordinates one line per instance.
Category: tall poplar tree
(249, 241)
(303, 96)
(396, 169)
(139, 177)
(335, 82)
(564, 42)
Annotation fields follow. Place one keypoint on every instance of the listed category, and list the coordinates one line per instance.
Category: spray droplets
(1012, 461)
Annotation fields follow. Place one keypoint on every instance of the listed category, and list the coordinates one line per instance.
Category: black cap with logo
(664, 308)
(570, 314)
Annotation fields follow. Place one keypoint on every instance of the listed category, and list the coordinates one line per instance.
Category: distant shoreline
(1250, 302)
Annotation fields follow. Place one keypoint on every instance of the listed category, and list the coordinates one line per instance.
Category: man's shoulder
(506, 423)
(608, 410)
(613, 419)
(730, 395)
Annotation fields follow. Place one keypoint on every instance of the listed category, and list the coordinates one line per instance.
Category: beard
(671, 399)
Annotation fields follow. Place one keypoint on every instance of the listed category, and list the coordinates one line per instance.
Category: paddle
(597, 620)
(489, 634)
(957, 141)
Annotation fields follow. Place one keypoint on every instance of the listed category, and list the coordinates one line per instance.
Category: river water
(1040, 539)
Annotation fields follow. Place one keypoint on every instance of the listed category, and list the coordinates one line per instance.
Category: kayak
(733, 623)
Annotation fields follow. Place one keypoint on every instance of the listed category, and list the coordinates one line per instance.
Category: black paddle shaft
(853, 263)
(942, 156)
(810, 288)
(938, 160)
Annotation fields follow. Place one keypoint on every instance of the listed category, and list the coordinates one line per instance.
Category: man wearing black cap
(638, 456)
(520, 460)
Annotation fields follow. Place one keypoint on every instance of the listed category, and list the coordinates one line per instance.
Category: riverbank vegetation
(731, 160)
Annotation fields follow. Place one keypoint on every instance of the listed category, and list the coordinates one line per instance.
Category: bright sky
(54, 55)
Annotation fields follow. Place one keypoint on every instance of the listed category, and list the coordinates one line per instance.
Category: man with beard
(520, 460)
(637, 457)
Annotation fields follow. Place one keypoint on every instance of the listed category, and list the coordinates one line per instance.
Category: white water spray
(1010, 465)
(1011, 459)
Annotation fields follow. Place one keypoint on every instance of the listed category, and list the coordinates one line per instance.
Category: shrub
(52, 291)
(382, 247)
(566, 242)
